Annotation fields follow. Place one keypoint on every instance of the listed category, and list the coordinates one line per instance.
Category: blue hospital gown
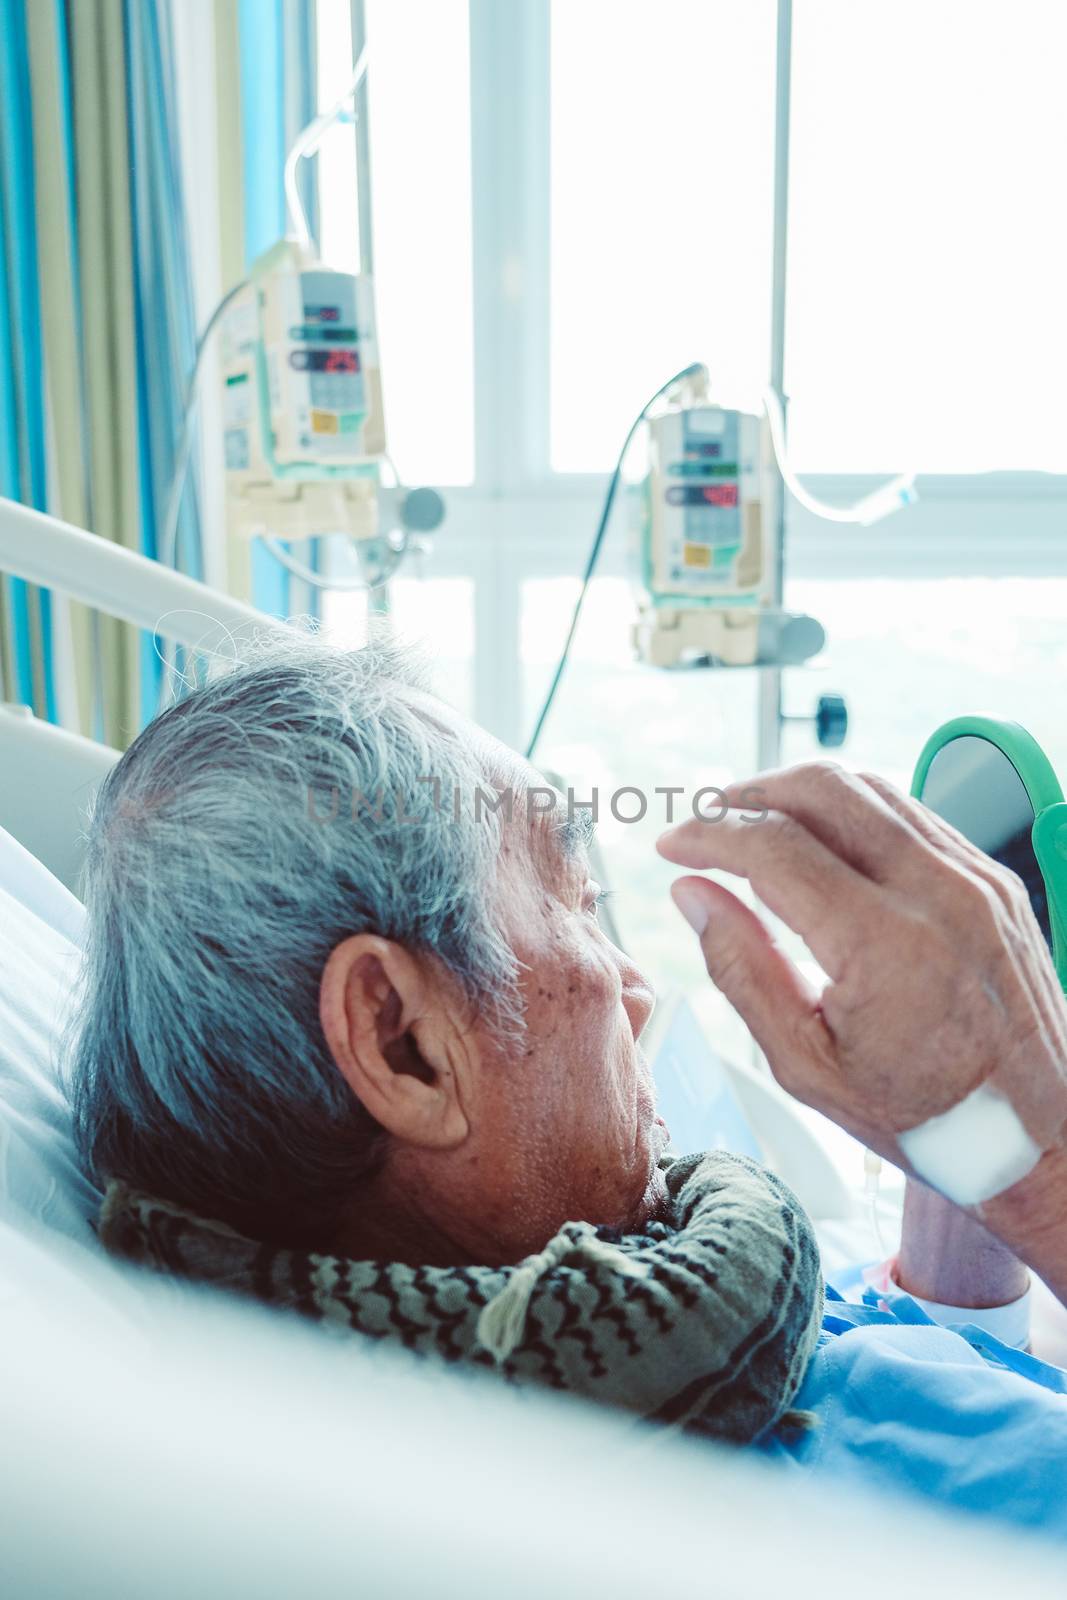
(952, 1414)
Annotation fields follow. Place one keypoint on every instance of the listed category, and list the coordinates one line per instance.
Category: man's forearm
(1031, 1218)
(949, 1257)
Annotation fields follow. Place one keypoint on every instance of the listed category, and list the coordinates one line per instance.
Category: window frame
(522, 519)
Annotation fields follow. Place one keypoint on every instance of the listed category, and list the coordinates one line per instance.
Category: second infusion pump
(302, 401)
(706, 524)
(314, 333)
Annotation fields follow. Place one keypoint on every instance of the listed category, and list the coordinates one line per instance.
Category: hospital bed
(161, 1441)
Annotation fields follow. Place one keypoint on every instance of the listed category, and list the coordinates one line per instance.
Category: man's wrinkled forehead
(555, 835)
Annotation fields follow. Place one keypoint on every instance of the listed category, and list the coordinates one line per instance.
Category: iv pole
(769, 713)
(378, 598)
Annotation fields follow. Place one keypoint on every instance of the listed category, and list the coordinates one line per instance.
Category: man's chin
(653, 1205)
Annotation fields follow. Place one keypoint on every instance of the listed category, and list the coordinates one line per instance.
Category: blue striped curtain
(97, 325)
(165, 317)
(92, 226)
(25, 612)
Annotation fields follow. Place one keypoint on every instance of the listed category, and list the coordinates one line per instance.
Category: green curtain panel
(109, 357)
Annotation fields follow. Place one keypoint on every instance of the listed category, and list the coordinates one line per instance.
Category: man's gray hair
(245, 833)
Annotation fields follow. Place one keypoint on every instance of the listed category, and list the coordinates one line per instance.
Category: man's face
(563, 1124)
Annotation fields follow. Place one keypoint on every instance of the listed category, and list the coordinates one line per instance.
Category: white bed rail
(48, 774)
(45, 551)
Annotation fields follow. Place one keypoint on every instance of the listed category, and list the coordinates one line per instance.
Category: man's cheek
(595, 981)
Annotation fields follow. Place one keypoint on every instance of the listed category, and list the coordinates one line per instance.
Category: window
(617, 724)
(438, 615)
(927, 243)
(926, 250)
(662, 136)
(908, 654)
(434, 614)
(926, 254)
(421, 193)
(927, 246)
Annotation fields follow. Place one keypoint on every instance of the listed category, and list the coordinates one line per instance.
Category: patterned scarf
(706, 1321)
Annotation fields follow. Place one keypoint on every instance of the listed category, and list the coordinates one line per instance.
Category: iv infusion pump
(705, 533)
(708, 528)
(303, 419)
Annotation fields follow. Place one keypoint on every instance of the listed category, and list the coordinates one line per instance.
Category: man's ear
(387, 1027)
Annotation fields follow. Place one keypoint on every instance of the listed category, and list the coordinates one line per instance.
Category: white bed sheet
(163, 1441)
(41, 924)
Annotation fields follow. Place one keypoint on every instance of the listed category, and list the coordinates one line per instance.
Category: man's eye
(597, 901)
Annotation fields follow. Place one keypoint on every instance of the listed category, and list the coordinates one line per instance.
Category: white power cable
(167, 545)
(319, 580)
(872, 1171)
(299, 569)
(167, 542)
(308, 141)
(881, 502)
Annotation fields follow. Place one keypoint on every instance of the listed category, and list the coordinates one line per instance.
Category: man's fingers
(932, 827)
(775, 1001)
(834, 908)
(887, 835)
(939, 834)
(843, 812)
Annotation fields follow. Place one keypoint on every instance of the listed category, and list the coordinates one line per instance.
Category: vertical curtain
(97, 324)
(262, 34)
(48, 69)
(104, 243)
(96, 330)
(25, 613)
(163, 299)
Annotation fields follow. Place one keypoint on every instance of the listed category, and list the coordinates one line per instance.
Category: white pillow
(41, 926)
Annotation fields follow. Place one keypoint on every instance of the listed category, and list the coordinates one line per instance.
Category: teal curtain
(25, 612)
(164, 310)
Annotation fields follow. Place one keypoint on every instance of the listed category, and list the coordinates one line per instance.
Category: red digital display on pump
(721, 494)
(324, 360)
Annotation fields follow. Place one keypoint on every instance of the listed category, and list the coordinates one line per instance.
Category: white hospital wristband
(1010, 1324)
(974, 1151)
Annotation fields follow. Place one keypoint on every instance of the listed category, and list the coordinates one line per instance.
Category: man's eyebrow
(574, 833)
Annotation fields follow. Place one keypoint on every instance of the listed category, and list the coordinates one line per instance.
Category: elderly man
(354, 1042)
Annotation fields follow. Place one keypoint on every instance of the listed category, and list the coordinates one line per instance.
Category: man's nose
(638, 997)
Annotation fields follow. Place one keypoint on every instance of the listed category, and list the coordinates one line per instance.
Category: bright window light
(436, 615)
(617, 724)
(662, 206)
(928, 238)
(419, 93)
(909, 653)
